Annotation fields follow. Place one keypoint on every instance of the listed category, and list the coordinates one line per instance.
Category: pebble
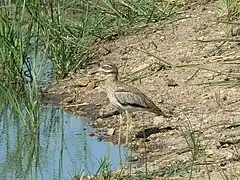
(236, 32)
(99, 121)
(142, 150)
(172, 83)
(134, 158)
(111, 131)
(82, 82)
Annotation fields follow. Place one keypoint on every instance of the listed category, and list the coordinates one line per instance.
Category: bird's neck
(112, 78)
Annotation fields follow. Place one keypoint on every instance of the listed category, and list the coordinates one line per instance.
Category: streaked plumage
(126, 97)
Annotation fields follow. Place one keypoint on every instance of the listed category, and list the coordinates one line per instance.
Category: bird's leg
(120, 130)
(129, 125)
(130, 122)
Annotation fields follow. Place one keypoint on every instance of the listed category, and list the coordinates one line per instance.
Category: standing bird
(124, 97)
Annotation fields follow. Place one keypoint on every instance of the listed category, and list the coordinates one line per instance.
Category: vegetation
(64, 30)
(60, 33)
(42, 38)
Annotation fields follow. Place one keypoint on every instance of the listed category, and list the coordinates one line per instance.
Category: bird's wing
(129, 95)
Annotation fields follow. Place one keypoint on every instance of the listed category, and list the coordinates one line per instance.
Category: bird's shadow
(149, 131)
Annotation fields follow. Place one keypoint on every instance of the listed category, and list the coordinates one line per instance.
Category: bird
(124, 97)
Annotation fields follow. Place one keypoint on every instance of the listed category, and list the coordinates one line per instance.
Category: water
(37, 66)
(48, 143)
(61, 149)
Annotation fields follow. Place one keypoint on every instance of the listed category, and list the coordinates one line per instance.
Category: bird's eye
(107, 66)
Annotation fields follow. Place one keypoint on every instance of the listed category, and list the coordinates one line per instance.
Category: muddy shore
(200, 89)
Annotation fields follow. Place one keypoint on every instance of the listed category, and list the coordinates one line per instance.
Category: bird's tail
(161, 113)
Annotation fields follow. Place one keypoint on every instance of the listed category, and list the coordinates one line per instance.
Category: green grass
(229, 9)
(65, 30)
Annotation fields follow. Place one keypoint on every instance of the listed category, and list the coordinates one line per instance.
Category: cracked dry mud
(200, 89)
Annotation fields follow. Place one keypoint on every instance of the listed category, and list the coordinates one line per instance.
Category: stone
(111, 131)
(82, 82)
(172, 83)
(142, 150)
(99, 121)
(133, 159)
(236, 31)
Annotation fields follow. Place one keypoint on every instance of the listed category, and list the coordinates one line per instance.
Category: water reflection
(37, 66)
(58, 147)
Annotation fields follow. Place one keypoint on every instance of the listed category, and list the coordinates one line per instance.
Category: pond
(60, 148)
(44, 142)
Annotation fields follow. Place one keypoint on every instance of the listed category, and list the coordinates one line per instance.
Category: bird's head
(108, 69)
